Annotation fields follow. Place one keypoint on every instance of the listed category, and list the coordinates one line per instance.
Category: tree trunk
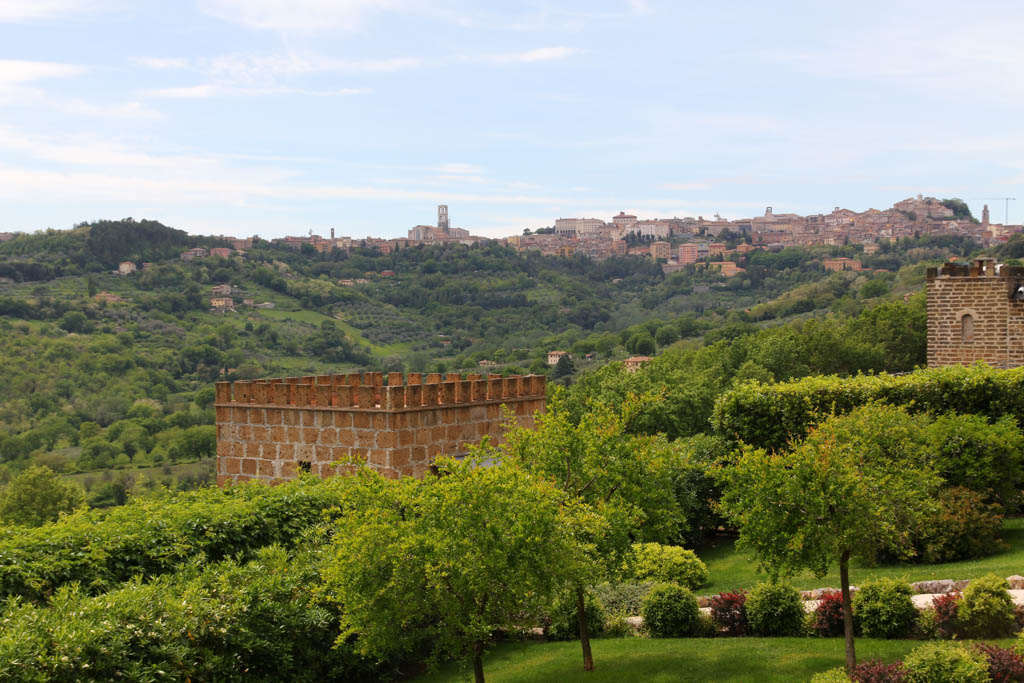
(844, 581)
(581, 615)
(478, 666)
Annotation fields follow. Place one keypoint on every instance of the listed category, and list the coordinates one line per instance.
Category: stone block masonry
(272, 429)
(976, 313)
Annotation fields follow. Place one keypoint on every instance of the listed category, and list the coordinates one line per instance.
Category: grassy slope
(695, 659)
(731, 569)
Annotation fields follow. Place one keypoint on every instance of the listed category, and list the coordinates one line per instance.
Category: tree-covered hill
(93, 247)
(103, 370)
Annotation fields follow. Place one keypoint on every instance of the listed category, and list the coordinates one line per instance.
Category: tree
(563, 368)
(37, 496)
(628, 480)
(849, 488)
(447, 561)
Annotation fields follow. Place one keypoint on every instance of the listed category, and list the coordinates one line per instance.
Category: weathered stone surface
(935, 586)
(1016, 582)
(396, 429)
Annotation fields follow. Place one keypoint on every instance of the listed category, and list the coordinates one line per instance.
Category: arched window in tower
(967, 328)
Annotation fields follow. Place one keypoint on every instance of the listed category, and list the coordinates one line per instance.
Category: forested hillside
(105, 371)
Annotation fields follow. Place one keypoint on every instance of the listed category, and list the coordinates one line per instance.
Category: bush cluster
(775, 609)
(987, 609)
(669, 564)
(828, 615)
(152, 536)
(729, 613)
(671, 611)
(203, 623)
(945, 662)
(883, 608)
(767, 416)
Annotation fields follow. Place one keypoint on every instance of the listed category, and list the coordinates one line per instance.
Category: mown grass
(671, 659)
(731, 569)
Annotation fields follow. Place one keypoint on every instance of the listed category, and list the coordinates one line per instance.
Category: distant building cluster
(696, 239)
(442, 233)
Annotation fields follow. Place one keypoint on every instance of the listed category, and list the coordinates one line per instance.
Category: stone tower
(984, 216)
(976, 313)
(274, 429)
(442, 218)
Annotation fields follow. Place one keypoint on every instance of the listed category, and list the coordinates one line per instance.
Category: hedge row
(261, 620)
(152, 536)
(772, 415)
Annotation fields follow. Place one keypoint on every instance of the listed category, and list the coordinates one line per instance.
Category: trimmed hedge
(771, 415)
(100, 549)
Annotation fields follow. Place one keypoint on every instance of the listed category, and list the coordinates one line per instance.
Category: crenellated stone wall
(274, 428)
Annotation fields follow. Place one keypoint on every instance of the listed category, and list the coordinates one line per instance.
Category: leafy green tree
(563, 368)
(37, 496)
(73, 321)
(449, 560)
(627, 480)
(828, 499)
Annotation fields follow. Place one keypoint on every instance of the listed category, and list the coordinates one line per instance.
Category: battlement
(367, 391)
(981, 267)
(274, 428)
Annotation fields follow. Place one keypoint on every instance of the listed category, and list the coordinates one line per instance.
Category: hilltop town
(677, 242)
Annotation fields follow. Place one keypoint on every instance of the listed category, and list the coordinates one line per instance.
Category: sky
(277, 117)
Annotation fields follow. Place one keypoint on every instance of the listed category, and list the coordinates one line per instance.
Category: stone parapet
(273, 429)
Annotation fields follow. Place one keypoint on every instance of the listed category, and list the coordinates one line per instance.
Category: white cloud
(252, 68)
(458, 169)
(306, 16)
(190, 91)
(161, 62)
(211, 90)
(542, 54)
(16, 71)
(20, 11)
(127, 110)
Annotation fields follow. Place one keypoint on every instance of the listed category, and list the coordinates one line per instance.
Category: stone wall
(273, 429)
(973, 317)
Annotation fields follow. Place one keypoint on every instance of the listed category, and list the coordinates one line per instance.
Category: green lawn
(695, 659)
(731, 569)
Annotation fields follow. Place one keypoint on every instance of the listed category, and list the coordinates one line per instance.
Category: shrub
(729, 613)
(828, 615)
(768, 416)
(210, 622)
(622, 598)
(944, 663)
(877, 671)
(981, 456)
(967, 527)
(100, 549)
(946, 608)
(987, 609)
(668, 563)
(926, 628)
(671, 611)
(1004, 665)
(883, 608)
(775, 609)
(836, 675)
(563, 622)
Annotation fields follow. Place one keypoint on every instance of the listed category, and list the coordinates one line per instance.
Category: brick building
(976, 313)
(273, 429)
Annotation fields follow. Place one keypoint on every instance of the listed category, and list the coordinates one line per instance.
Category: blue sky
(277, 117)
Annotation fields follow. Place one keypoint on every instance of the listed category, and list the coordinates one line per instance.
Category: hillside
(103, 370)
